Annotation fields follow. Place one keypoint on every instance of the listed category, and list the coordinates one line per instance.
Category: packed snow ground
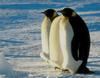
(35, 67)
(20, 40)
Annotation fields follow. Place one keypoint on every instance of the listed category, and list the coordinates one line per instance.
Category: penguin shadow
(97, 72)
(94, 63)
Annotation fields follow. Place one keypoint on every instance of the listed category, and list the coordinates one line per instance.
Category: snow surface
(20, 41)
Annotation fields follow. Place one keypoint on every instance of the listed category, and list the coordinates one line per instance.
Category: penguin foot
(84, 70)
(57, 68)
(65, 70)
(62, 70)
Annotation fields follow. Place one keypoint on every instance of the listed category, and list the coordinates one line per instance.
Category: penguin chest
(55, 50)
(45, 30)
(66, 32)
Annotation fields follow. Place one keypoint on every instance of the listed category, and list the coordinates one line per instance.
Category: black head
(50, 13)
(67, 12)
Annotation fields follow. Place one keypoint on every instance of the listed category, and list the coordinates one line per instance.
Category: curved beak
(59, 11)
(42, 12)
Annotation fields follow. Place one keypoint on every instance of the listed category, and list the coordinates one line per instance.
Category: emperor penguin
(80, 43)
(56, 56)
(59, 59)
(66, 37)
(50, 14)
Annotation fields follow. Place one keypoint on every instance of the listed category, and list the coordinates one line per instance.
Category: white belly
(66, 36)
(45, 30)
(55, 50)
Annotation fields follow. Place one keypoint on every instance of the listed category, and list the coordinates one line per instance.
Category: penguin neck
(64, 19)
(52, 18)
(47, 19)
(46, 23)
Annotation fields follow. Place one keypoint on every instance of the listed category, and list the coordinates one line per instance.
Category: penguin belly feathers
(66, 36)
(55, 50)
(45, 29)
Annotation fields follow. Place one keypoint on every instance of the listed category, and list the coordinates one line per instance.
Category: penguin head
(50, 13)
(67, 12)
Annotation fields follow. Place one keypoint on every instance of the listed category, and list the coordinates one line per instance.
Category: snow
(20, 41)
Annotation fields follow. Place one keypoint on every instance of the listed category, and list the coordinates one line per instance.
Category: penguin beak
(42, 12)
(59, 11)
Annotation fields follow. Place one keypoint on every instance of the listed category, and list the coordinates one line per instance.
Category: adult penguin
(80, 45)
(66, 37)
(50, 14)
(57, 57)
(55, 50)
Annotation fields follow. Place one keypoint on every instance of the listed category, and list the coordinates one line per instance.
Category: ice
(20, 38)
(5, 67)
